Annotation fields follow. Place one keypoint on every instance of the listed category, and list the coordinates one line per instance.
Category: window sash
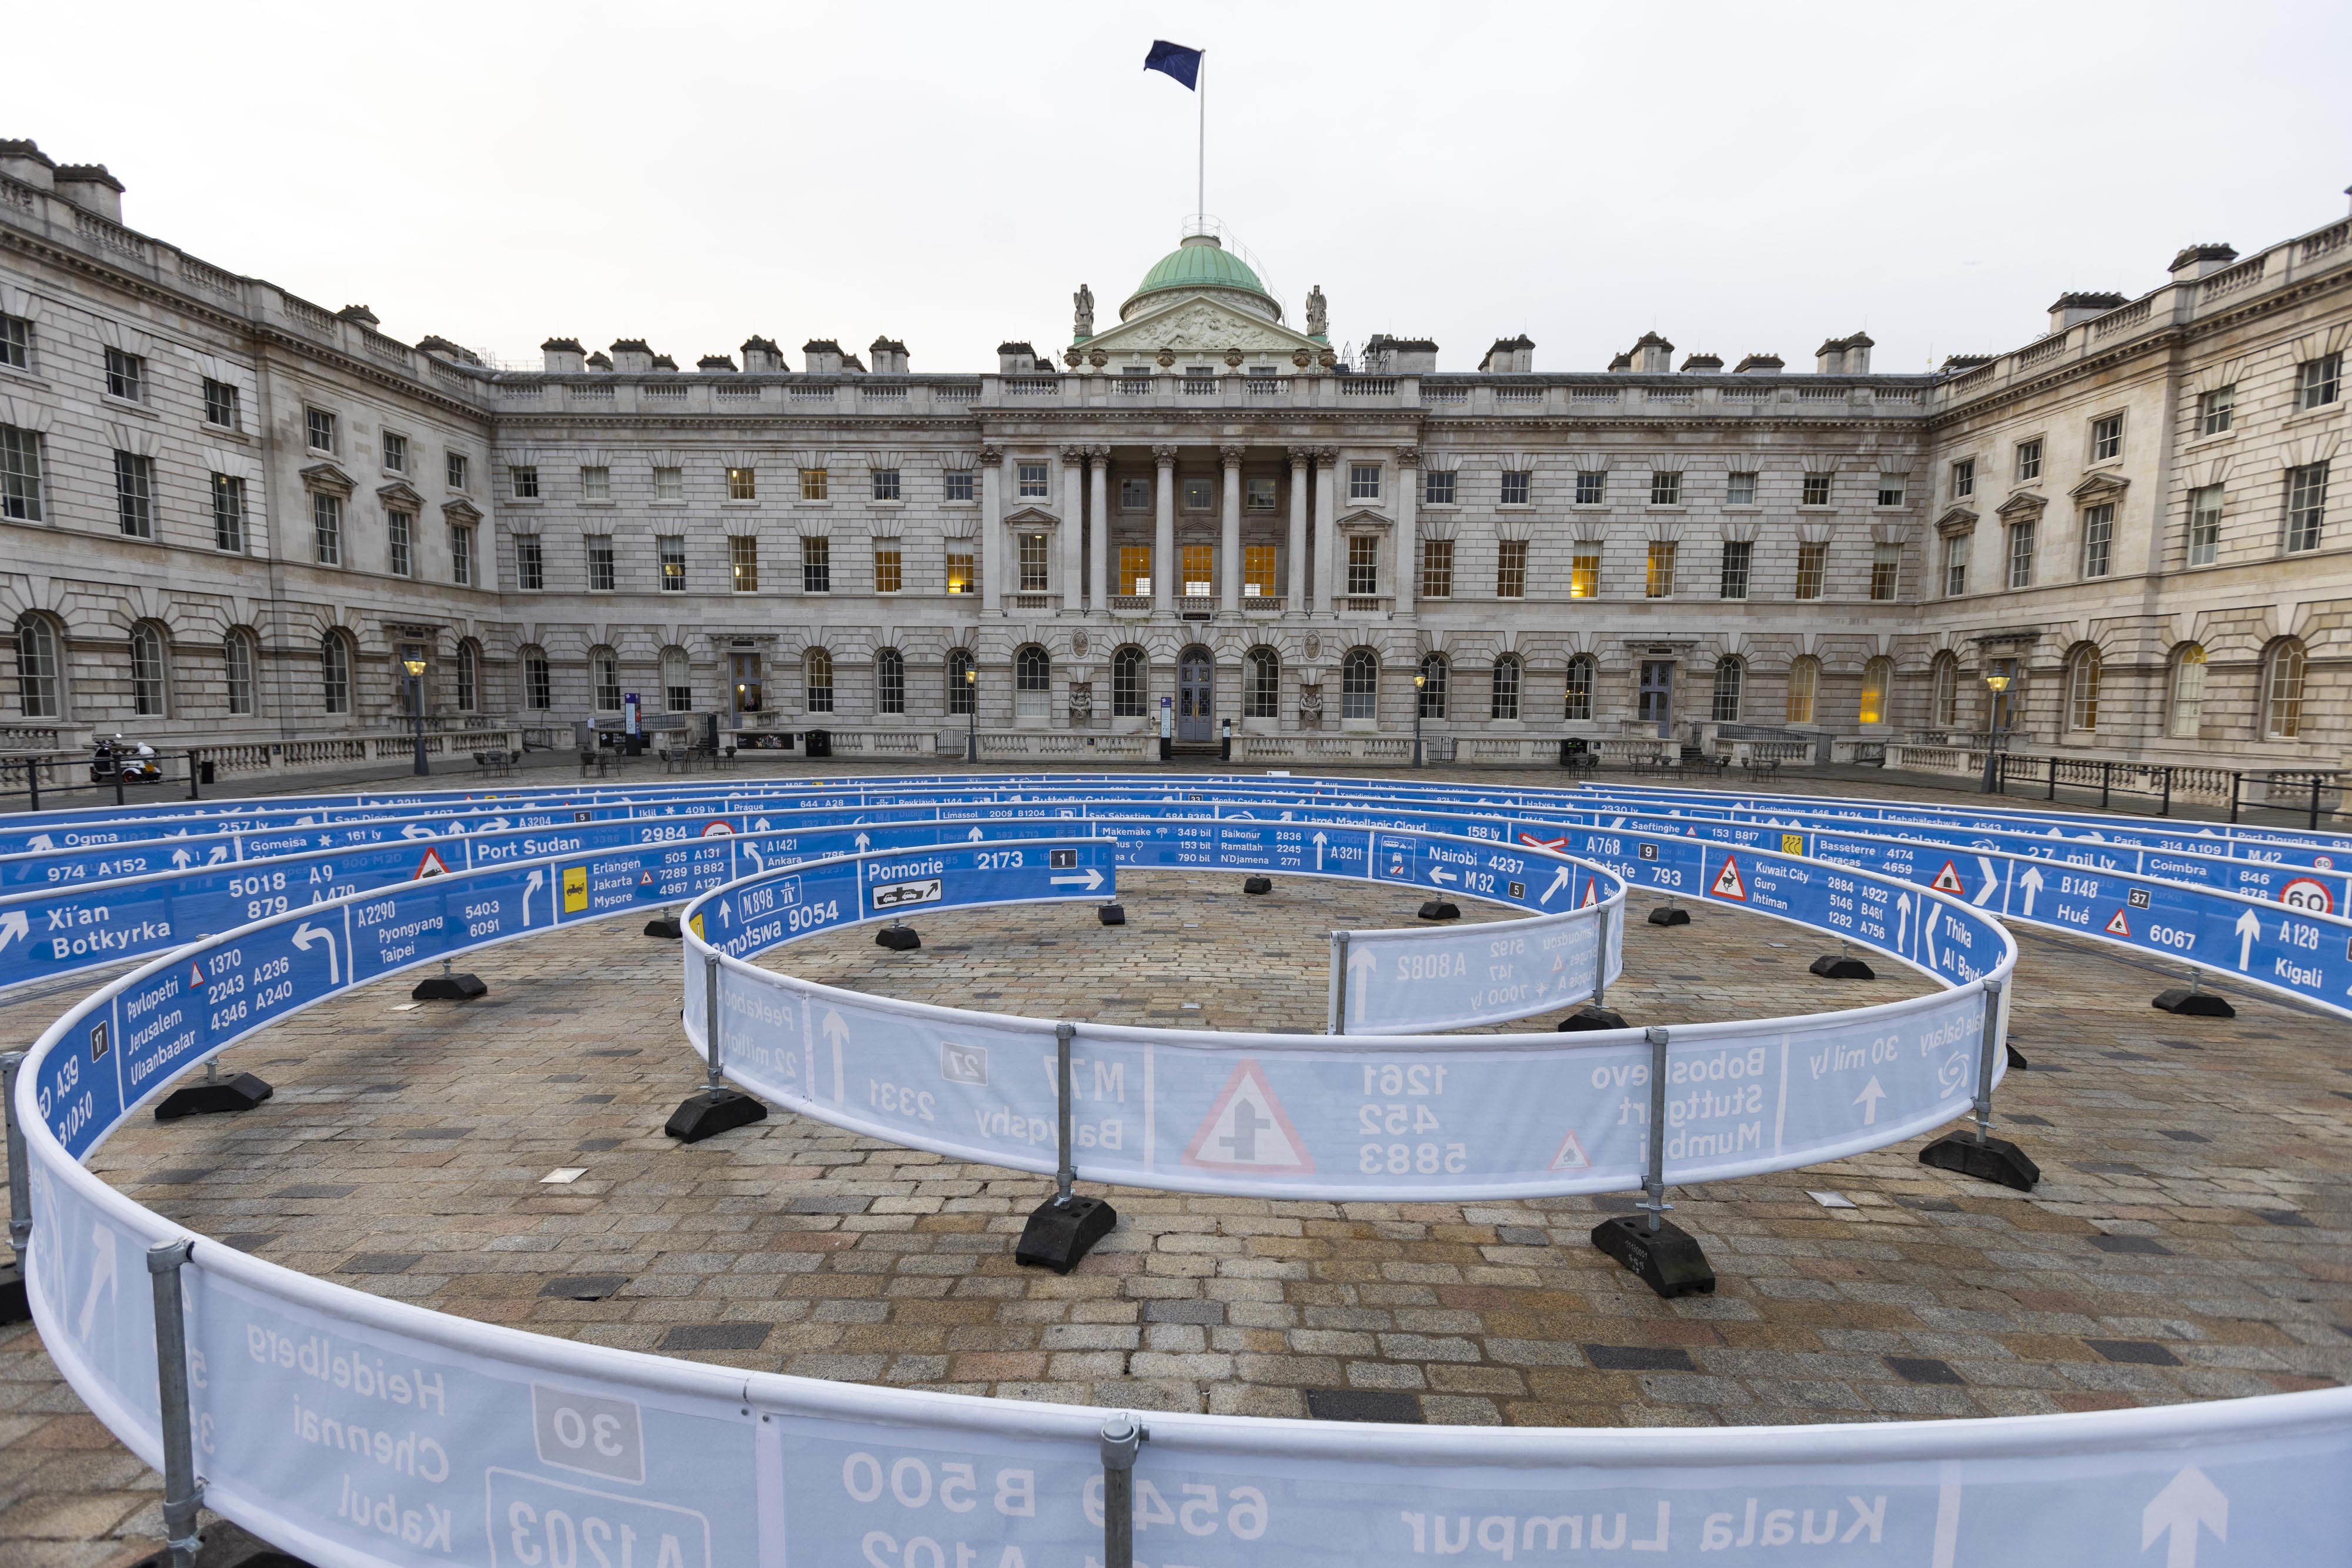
(335, 675)
(1259, 566)
(2187, 720)
(1956, 565)
(237, 667)
(1515, 488)
(2082, 694)
(2214, 409)
(1436, 488)
(461, 554)
(887, 575)
(1885, 571)
(816, 679)
(126, 376)
(1817, 490)
(1804, 678)
(607, 669)
(539, 686)
(146, 673)
(2318, 380)
(1592, 486)
(318, 429)
(601, 575)
(816, 566)
(962, 579)
(1739, 558)
(526, 482)
(1262, 691)
(1036, 562)
(673, 563)
(1741, 491)
(2205, 525)
(2021, 555)
(220, 405)
(1127, 683)
(1035, 481)
(1134, 567)
(1584, 575)
(1430, 697)
(1666, 488)
(1576, 704)
(1511, 568)
(814, 484)
(1363, 565)
(1812, 569)
(135, 503)
(1363, 481)
(20, 474)
(596, 484)
(886, 483)
(1964, 479)
(453, 471)
(1725, 709)
(531, 563)
(397, 527)
(1660, 581)
(743, 563)
(2029, 460)
(228, 512)
(2107, 438)
(2306, 506)
(889, 682)
(2098, 539)
(1259, 495)
(1504, 693)
(1360, 686)
(1437, 569)
(327, 529)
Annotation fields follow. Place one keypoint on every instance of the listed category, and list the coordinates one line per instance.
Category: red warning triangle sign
(1591, 893)
(431, 865)
(1726, 881)
(1247, 1130)
(2119, 926)
(1948, 880)
(1570, 1156)
(195, 977)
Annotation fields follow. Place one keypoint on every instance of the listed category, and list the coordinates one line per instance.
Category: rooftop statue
(1084, 302)
(1316, 311)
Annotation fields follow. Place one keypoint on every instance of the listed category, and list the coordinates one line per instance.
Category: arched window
(1504, 703)
(469, 676)
(604, 671)
(1360, 684)
(238, 662)
(816, 676)
(1579, 706)
(1729, 675)
(889, 682)
(1877, 680)
(1032, 682)
(1127, 683)
(678, 680)
(335, 673)
(538, 686)
(1944, 699)
(1804, 679)
(963, 693)
(147, 682)
(1433, 672)
(2283, 691)
(2188, 692)
(2083, 691)
(1261, 688)
(40, 691)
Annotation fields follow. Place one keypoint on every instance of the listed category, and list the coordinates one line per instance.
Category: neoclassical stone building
(229, 513)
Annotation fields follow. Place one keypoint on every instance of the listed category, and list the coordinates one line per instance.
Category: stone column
(1163, 535)
(1074, 563)
(1326, 527)
(991, 529)
(1408, 566)
(1229, 540)
(1302, 469)
(1098, 525)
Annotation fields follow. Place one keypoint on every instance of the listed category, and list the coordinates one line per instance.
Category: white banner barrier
(1409, 981)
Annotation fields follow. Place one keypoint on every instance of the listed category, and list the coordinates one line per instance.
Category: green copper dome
(1201, 262)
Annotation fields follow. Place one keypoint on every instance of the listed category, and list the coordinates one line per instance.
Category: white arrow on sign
(2187, 1501)
(836, 1033)
(1868, 1100)
(495, 825)
(1438, 873)
(12, 925)
(41, 842)
(2032, 883)
(1361, 966)
(753, 851)
(414, 832)
(529, 887)
(180, 859)
(1992, 882)
(1091, 880)
(2250, 926)
(307, 937)
(1558, 880)
(1902, 917)
(1320, 842)
(1928, 931)
(975, 835)
(761, 826)
(862, 841)
(220, 854)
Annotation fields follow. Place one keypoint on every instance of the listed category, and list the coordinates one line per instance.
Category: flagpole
(1201, 194)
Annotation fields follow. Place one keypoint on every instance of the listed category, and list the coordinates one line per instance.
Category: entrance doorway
(1196, 696)
(1657, 696)
(743, 673)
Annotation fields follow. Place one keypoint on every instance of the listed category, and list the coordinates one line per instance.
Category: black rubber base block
(705, 1115)
(1669, 914)
(2191, 1004)
(225, 1095)
(1258, 885)
(898, 938)
(664, 925)
(1591, 1018)
(1843, 966)
(1440, 909)
(1668, 1259)
(1111, 915)
(2016, 1057)
(13, 1308)
(1993, 1159)
(449, 988)
(1058, 1235)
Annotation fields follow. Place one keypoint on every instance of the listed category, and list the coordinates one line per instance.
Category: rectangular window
(526, 482)
(1135, 494)
(669, 484)
(538, 688)
(221, 405)
(1739, 556)
(1515, 485)
(813, 484)
(531, 563)
(1258, 494)
(1890, 489)
(1134, 567)
(396, 452)
(743, 484)
(2317, 383)
(126, 376)
(2098, 539)
(886, 483)
(962, 579)
(888, 577)
(2107, 438)
(1956, 565)
(134, 495)
(596, 484)
(1363, 565)
(399, 532)
(2306, 506)
(1200, 495)
(2021, 555)
(1964, 475)
(1666, 488)
(1592, 486)
(1660, 582)
(319, 427)
(327, 528)
(228, 512)
(2029, 460)
(454, 470)
(1258, 572)
(959, 485)
(1584, 572)
(816, 566)
(1741, 491)
(1813, 568)
(1197, 569)
(1363, 481)
(1511, 568)
(16, 342)
(1578, 707)
(1437, 487)
(1885, 571)
(744, 562)
(2215, 409)
(602, 577)
(1437, 569)
(672, 547)
(2204, 525)
(889, 682)
(461, 554)
(1033, 482)
(1036, 566)
(1817, 490)
(20, 474)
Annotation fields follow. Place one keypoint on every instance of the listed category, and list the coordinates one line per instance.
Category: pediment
(461, 511)
(1364, 517)
(1030, 515)
(2100, 487)
(1958, 521)
(1194, 325)
(327, 476)
(2024, 503)
(398, 493)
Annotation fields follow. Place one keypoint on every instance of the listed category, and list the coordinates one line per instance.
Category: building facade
(230, 514)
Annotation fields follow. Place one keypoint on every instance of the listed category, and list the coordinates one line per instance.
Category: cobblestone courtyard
(2188, 1241)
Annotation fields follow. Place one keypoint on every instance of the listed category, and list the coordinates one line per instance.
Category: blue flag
(1175, 60)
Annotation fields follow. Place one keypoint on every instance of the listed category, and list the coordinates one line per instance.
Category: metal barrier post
(2107, 782)
(192, 793)
(33, 780)
(1654, 1184)
(2166, 809)
(711, 1084)
(1065, 1170)
(1064, 1228)
(2053, 780)
(715, 1108)
(1337, 1021)
(2236, 780)
(1977, 1153)
(2314, 825)
(13, 1307)
(118, 781)
(182, 1492)
(1121, 1436)
(1600, 961)
(1667, 1258)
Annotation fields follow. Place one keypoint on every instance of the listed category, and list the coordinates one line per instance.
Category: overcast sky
(1740, 177)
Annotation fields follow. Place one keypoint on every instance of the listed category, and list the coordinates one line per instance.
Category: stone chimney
(563, 356)
(1829, 359)
(28, 164)
(361, 314)
(2081, 307)
(1509, 356)
(1857, 354)
(715, 364)
(601, 363)
(1653, 355)
(1015, 359)
(441, 348)
(1622, 362)
(1760, 365)
(2197, 260)
(760, 354)
(632, 356)
(1707, 363)
(852, 364)
(1387, 356)
(889, 356)
(663, 362)
(821, 356)
(1957, 364)
(89, 187)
